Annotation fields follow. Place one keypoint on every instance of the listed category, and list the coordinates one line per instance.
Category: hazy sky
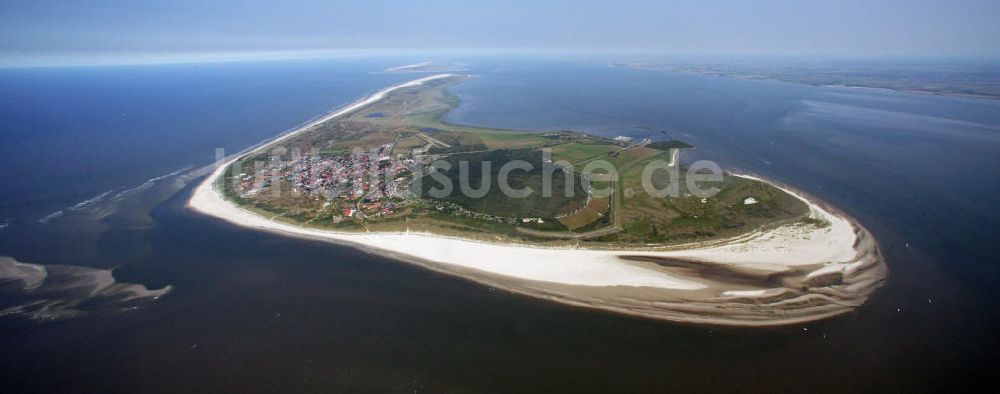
(913, 27)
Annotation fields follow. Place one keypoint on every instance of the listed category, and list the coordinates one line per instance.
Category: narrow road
(615, 209)
(432, 140)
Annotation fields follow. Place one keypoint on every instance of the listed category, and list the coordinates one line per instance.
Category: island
(608, 223)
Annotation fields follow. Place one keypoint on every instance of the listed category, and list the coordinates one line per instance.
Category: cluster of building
(365, 179)
(363, 184)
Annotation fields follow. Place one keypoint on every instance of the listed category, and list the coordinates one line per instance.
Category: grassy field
(596, 209)
(575, 152)
(406, 144)
(662, 220)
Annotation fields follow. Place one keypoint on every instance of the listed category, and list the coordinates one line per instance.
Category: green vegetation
(406, 128)
(576, 152)
(667, 145)
(495, 202)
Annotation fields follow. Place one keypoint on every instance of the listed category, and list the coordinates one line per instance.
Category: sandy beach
(783, 275)
(409, 66)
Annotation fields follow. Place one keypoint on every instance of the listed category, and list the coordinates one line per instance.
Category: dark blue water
(257, 312)
(72, 136)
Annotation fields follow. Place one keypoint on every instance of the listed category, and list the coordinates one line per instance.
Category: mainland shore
(787, 274)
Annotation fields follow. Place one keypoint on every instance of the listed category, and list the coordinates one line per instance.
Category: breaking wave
(51, 216)
(146, 185)
(92, 203)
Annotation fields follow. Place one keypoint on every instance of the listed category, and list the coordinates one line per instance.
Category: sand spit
(409, 66)
(784, 275)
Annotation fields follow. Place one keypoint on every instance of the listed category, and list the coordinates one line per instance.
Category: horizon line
(58, 60)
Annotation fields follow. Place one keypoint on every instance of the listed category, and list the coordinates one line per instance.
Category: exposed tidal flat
(53, 292)
(775, 275)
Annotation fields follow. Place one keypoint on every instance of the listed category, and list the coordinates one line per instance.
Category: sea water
(253, 311)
